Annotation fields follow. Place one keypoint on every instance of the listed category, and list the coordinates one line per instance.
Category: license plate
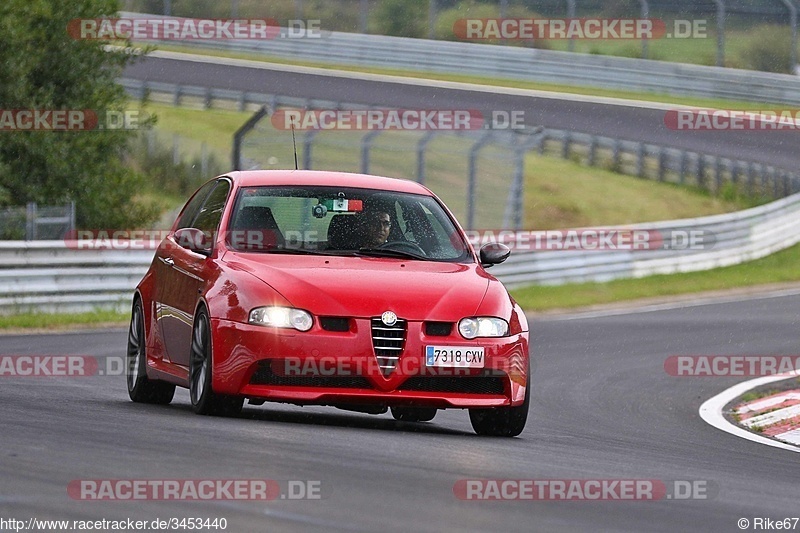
(454, 356)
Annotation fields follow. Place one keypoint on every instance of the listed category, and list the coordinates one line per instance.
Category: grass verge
(56, 322)
(776, 268)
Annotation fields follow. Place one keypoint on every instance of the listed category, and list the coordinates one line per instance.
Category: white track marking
(711, 410)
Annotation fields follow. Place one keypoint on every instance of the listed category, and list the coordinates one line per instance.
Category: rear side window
(210, 214)
(193, 207)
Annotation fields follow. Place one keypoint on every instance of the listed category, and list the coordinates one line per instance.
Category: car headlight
(482, 326)
(282, 317)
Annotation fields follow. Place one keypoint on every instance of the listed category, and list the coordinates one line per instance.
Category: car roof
(255, 178)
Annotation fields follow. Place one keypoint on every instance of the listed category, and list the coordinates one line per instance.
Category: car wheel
(141, 389)
(414, 414)
(502, 421)
(204, 400)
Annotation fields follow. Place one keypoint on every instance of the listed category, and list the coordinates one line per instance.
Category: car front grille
(388, 342)
(264, 376)
(457, 384)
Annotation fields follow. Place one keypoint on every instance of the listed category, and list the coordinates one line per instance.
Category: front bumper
(327, 368)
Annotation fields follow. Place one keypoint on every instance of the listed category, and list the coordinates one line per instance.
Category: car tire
(204, 400)
(142, 389)
(414, 414)
(502, 421)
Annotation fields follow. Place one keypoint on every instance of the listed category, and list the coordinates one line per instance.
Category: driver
(375, 227)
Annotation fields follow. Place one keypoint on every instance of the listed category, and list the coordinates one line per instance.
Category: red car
(327, 288)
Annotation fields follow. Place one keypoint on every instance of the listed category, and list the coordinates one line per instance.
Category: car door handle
(167, 261)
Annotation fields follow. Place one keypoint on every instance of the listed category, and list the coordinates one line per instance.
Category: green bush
(768, 49)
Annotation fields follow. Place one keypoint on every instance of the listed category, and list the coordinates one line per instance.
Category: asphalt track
(602, 408)
(643, 122)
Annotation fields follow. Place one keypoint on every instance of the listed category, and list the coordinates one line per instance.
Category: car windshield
(344, 221)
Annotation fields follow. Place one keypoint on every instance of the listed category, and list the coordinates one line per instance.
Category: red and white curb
(777, 415)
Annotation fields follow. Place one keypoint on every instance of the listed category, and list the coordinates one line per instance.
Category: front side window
(210, 214)
(344, 221)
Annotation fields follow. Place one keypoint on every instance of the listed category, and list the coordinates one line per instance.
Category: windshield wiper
(388, 252)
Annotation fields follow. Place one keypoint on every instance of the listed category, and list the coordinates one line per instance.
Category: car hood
(368, 286)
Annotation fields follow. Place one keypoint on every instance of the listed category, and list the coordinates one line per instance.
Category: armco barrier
(518, 63)
(49, 276)
(738, 237)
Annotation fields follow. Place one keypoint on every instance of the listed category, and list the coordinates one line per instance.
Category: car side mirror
(194, 240)
(494, 253)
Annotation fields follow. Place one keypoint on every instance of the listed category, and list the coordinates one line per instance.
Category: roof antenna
(294, 143)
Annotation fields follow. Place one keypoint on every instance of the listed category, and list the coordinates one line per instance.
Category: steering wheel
(403, 246)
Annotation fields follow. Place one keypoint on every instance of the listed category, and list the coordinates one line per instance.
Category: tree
(43, 68)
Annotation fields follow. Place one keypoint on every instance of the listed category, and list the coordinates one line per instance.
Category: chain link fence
(36, 223)
(476, 173)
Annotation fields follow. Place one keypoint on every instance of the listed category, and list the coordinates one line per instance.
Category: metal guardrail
(737, 237)
(518, 63)
(49, 276)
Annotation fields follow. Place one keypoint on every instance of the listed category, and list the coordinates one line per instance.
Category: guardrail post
(207, 99)
(592, 152)
(432, 13)
(720, 32)
(240, 103)
(176, 96)
(571, 15)
(700, 178)
(363, 15)
(615, 155)
(764, 180)
(683, 167)
(793, 22)
(366, 145)
(751, 177)
(308, 142)
(661, 164)
(422, 146)
(645, 15)
(717, 174)
(566, 145)
(71, 216)
(473, 156)
(786, 188)
(30, 221)
(640, 160)
(773, 179)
